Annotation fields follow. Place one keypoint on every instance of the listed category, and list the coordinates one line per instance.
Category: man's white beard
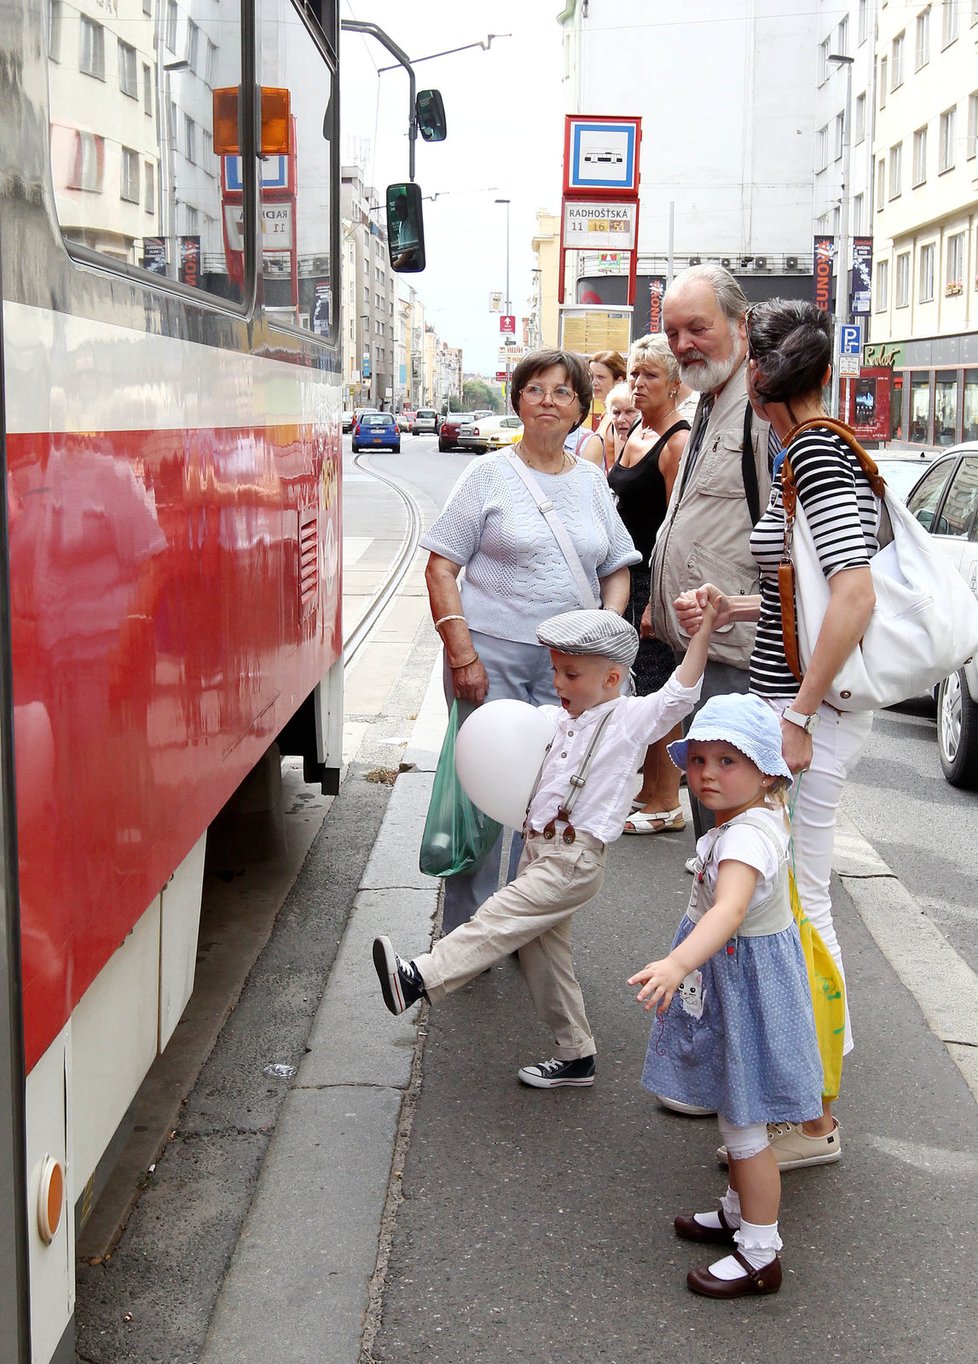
(706, 375)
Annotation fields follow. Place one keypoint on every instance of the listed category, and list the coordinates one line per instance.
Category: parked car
(405, 420)
(425, 422)
(945, 502)
(451, 424)
(377, 430)
(490, 433)
(347, 422)
(902, 470)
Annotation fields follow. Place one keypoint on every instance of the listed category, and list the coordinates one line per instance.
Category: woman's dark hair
(575, 367)
(790, 342)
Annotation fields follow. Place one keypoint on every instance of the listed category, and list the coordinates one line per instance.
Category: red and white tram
(171, 409)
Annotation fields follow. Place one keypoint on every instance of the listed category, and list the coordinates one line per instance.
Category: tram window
(297, 187)
(108, 144)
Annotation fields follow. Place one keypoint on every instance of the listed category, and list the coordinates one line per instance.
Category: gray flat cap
(591, 632)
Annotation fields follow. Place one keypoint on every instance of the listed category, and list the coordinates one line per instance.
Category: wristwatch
(809, 723)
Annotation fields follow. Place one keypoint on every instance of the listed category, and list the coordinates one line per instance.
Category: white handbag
(924, 625)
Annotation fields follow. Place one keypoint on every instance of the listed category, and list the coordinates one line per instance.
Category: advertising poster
(657, 287)
(862, 277)
(824, 251)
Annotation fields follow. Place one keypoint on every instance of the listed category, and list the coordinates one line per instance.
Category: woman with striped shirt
(789, 363)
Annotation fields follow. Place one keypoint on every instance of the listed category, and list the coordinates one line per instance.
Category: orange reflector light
(50, 1199)
(276, 122)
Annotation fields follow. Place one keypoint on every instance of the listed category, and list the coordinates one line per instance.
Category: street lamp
(836, 405)
(508, 310)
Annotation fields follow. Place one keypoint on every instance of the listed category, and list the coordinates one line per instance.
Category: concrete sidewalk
(488, 1174)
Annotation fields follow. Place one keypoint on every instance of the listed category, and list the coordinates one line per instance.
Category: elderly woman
(642, 478)
(624, 415)
(789, 348)
(516, 573)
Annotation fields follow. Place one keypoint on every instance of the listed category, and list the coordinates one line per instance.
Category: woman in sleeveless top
(642, 478)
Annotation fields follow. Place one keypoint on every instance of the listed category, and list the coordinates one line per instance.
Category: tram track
(361, 632)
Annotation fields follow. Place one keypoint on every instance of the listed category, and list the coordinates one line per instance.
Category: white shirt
(605, 799)
(739, 842)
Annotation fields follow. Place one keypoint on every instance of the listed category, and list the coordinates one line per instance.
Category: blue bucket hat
(743, 721)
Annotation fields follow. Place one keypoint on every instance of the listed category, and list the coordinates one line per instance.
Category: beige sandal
(655, 822)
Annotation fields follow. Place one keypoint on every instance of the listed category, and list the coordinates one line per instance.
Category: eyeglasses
(561, 395)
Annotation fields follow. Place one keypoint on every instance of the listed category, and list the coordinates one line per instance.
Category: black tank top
(641, 492)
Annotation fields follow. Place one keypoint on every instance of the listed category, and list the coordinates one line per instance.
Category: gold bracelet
(455, 666)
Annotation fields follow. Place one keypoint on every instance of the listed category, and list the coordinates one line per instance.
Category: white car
(945, 502)
(490, 433)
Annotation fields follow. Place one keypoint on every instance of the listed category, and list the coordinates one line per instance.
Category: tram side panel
(173, 492)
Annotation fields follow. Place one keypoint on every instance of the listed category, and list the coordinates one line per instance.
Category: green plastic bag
(457, 835)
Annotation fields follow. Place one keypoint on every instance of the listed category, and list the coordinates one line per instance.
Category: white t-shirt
(739, 842)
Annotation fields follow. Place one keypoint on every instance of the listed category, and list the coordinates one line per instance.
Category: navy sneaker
(400, 981)
(550, 1074)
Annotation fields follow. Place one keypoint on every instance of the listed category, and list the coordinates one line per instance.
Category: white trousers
(837, 746)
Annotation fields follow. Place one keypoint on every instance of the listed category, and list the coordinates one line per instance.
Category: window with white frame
(54, 30)
(193, 44)
(945, 149)
(880, 183)
(840, 134)
(881, 83)
(821, 149)
(89, 163)
(190, 138)
(858, 214)
(91, 53)
(859, 120)
(902, 299)
(127, 70)
(954, 265)
(211, 62)
(862, 21)
(824, 48)
(147, 89)
(972, 148)
(920, 156)
(149, 183)
(129, 178)
(926, 292)
(922, 42)
(896, 61)
(896, 170)
(949, 25)
(882, 285)
(171, 24)
(843, 35)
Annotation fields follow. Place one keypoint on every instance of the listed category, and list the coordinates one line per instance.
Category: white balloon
(498, 754)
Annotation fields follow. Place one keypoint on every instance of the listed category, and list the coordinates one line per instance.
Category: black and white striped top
(843, 515)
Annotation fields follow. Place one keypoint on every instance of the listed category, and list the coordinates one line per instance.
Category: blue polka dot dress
(739, 1034)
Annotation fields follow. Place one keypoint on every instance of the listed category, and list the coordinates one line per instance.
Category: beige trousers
(532, 915)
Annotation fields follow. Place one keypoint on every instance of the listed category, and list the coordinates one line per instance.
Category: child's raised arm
(661, 979)
(691, 669)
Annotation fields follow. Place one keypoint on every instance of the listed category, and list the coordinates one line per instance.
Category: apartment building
(925, 294)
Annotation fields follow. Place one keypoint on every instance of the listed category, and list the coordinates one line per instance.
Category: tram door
(14, 1289)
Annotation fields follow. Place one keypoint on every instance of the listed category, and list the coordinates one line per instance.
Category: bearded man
(724, 477)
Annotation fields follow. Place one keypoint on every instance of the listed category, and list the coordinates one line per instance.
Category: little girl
(734, 1029)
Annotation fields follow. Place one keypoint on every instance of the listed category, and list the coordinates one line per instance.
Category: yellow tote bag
(828, 995)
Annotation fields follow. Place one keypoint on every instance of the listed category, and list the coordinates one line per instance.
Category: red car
(451, 424)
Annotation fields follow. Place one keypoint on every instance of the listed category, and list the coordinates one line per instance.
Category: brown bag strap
(789, 618)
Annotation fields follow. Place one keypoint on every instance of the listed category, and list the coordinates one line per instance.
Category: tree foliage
(477, 394)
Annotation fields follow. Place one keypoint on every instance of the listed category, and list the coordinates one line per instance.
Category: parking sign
(851, 339)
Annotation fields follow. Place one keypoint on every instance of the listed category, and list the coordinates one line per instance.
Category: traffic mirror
(405, 228)
(430, 110)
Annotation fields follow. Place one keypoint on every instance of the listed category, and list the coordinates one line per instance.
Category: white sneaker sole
(385, 964)
(797, 1163)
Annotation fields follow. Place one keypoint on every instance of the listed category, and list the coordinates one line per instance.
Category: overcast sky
(505, 140)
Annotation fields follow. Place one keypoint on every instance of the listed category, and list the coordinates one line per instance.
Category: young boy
(580, 805)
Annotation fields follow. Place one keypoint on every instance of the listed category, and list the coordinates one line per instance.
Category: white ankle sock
(758, 1243)
(730, 1203)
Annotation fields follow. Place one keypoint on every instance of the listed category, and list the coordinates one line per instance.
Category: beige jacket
(706, 531)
